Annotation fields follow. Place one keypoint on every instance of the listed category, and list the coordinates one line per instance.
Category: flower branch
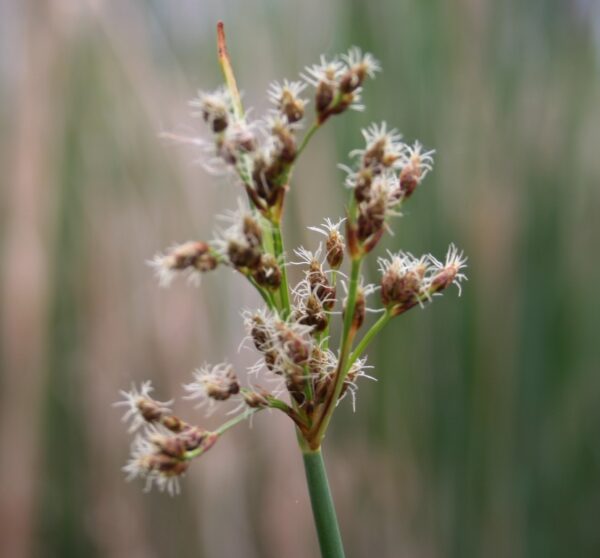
(291, 334)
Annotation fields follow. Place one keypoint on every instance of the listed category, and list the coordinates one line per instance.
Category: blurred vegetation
(481, 436)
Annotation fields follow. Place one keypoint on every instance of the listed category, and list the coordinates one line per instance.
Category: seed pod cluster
(320, 285)
(338, 82)
(214, 108)
(286, 98)
(311, 313)
(256, 399)
(268, 272)
(190, 258)
(415, 166)
(222, 387)
(407, 281)
(213, 383)
(271, 163)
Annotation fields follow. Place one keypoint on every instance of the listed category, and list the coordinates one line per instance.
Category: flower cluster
(387, 172)
(162, 452)
(338, 82)
(303, 370)
(407, 280)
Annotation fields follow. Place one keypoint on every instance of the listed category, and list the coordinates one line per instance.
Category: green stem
(265, 294)
(351, 303)
(288, 173)
(221, 430)
(235, 420)
(323, 508)
(306, 138)
(295, 414)
(325, 334)
(284, 293)
(347, 336)
(368, 337)
(308, 387)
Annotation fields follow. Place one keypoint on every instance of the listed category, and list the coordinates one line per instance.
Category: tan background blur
(482, 435)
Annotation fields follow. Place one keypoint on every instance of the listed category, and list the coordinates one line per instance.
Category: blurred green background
(482, 435)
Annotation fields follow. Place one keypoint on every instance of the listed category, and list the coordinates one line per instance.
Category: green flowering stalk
(308, 372)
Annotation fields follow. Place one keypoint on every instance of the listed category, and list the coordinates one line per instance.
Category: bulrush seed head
(360, 309)
(174, 423)
(214, 108)
(293, 344)
(335, 249)
(268, 272)
(324, 97)
(402, 279)
(318, 283)
(372, 214)
(286, 97)
(338, 83)
(321, 287)
(374, 155)
(284, 344)
(324, 78)
(264, 187)
(334, 244)
(238, 140)
(362, 184)
(194, 437)
(157, 469)
(295, 383)
(161, 459)
(371, 218)
(192, 258)
(213, 383)
(252, 230)
(384, 148)
(257, 326)
(311, 314)
(242, 255)
(167, 443)
(155, 466)
(241, 242)
(284, 142)
(141, 407)
(444, 274)
(271, 361)
(242, 137)
(416, 166)
(256, 399)
(359, 66)
(407, 281)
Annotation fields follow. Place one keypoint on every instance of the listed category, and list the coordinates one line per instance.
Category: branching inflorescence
(301, 371)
